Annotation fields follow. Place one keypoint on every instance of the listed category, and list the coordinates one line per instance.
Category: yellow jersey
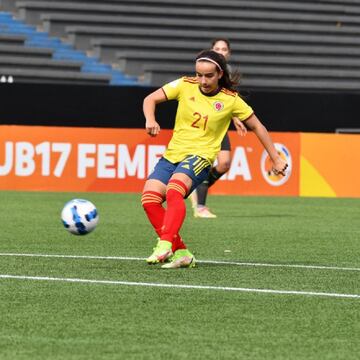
(201, 121)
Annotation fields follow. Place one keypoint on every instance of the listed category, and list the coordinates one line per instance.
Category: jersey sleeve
(241, 109)
(172, 90)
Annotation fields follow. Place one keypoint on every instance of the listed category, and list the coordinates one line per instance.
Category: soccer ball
(79, 216)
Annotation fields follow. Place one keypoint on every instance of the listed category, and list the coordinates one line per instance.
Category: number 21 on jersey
(200, 121)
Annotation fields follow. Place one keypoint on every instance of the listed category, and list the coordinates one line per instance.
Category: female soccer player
(198, 196)
(206, 105)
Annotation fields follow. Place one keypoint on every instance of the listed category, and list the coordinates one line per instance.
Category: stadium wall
(121, 107)
(86, 138)
(45, 158)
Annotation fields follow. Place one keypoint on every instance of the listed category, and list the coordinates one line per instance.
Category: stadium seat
(25, 52)
(30, 55)
(286, 44)
(28, 75)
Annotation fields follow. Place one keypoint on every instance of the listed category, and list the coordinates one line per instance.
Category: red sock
(152, 204)
(175, 212)
(177, 243)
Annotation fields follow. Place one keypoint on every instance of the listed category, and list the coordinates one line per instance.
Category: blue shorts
(194, 166)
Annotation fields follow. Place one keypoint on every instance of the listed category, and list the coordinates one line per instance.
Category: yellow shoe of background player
(203, 212)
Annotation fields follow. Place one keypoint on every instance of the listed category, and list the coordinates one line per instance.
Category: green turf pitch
(306, 245)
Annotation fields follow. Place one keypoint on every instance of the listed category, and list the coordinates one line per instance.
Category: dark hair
(227, 81)
(225, 40)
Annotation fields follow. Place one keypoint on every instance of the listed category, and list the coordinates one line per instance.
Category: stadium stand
(28, 55)
(283, 44)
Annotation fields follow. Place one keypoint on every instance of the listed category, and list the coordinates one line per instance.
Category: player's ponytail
(227, 81)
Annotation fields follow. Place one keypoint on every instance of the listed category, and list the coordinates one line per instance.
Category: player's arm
(149, 105)
(239, 126)
(254, 124)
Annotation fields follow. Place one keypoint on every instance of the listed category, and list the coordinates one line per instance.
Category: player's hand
(152, 128)
(280, 167)
(239, 126)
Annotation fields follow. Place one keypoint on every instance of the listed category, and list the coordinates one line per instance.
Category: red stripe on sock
(177, 185)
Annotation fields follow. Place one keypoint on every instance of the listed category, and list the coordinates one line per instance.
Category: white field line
(215, 262)
(179, 286)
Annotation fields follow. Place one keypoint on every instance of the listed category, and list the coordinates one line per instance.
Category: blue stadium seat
(22, 38)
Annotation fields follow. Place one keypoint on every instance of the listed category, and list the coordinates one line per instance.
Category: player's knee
(223, 166)
(175, 188)
(150, 198)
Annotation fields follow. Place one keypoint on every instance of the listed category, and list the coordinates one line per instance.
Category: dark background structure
(110, 106)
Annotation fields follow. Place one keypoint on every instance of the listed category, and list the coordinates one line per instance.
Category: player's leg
(174, 215)
(176, 191)
(188, 174)
(152, 199)
(153, 196)
(154, 192)
(222, 166)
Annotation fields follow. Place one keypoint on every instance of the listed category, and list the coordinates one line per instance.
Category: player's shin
(176, 210)
(152, 204)
(214, 176)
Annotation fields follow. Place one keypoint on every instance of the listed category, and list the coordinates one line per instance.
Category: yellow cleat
(162, 251)
(181, 259)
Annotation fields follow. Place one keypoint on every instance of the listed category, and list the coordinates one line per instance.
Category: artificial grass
(58, 320)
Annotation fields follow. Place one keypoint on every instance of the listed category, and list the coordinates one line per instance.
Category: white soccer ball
(79, 216)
